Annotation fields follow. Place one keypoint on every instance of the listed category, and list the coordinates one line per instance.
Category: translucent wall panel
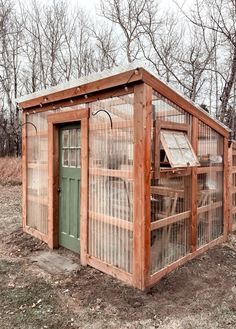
(111, 181)
(37, 168)
(210, 185)
(169, 243)
(170, 195)
(165, 110)
(37, 172)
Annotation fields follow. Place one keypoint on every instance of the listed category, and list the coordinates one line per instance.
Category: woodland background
(43, 44)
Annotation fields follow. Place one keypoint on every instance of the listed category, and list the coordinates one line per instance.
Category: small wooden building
(125, 171)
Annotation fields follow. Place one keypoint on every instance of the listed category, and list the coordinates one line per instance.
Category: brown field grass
(10, 171)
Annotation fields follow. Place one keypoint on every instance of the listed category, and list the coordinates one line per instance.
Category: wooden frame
(24, 172)
(54, 122)
(127, 80)
(168, 149)
(165, 125)
(231, 185)
(225, 189)
(194, 188)
(142, 84)
(142, 165)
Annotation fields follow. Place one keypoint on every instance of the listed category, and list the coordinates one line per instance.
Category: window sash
(178, 149)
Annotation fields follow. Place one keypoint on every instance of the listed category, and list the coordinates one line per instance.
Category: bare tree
(10, 43)
(219, 16)
(107, 50)
(129, 16)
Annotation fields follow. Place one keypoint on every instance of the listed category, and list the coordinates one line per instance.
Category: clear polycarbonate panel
(37, 166)
(37, 172)
(165, 110)
(169, 243)
(111, 140)
(210, 185)
(170, 192)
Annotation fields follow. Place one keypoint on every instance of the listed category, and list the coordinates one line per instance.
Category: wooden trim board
(142, 166)
(111, 270)
(37, 234)
(230, 187)
(54, 122)
(24, 171)
(194, 187)
(225, 190)
(117, 80)
(170, 220)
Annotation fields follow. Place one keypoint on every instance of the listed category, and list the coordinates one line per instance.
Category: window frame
(171, 126)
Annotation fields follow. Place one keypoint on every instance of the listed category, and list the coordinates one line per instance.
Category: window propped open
(178, 149)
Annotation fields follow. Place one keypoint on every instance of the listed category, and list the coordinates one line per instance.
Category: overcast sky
(91, 5)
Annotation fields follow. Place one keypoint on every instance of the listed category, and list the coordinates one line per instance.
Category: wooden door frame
(54, 123)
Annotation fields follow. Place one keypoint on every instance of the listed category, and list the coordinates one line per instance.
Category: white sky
(91, 5)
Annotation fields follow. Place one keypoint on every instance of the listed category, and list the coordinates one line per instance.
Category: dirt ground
(199, 295)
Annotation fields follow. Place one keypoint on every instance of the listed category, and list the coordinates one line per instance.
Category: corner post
(226, 190)
(24, 171)
(194, 188)
(142, 169)
(230, 186)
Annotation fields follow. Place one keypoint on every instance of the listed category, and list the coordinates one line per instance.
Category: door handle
(59, 190)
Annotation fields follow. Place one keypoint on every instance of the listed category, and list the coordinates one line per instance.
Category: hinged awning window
(178, 149)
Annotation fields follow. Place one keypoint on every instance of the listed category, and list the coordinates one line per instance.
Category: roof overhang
(106, 80)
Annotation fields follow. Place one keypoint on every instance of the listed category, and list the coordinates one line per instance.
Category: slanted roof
(119, 76)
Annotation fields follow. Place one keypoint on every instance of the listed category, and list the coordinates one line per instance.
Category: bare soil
(199, 295)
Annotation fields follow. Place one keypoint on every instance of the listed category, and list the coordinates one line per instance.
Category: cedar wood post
(230, 186)
(24, 171)
(142, 168)
(194, 188)
(226, 191)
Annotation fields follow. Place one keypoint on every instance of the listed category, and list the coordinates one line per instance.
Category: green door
(69, 188)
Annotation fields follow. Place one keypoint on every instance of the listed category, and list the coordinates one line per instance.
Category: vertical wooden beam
(84, 192)
(230, 182)
(226, 191)
(142, 168)
(194, 188)
(24, 171)
(53, 179)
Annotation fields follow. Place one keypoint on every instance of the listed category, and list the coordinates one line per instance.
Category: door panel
(69, 198)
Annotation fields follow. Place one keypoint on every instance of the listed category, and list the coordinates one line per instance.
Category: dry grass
(10, 171)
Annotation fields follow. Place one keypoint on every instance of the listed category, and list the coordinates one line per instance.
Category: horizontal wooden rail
(111, 220)
(209, 207)
(166, 191)
(107, 125)
(36, 233)
(40, 133)
(203, 170)
(109, 269)
(36, 165)
(39, 199)
(111, 173)
(170, 220)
